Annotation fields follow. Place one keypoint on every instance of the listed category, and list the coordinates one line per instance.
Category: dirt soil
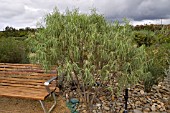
(16, 105)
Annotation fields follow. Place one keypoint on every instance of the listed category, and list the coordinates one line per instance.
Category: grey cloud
(28, 12)
(138, 9)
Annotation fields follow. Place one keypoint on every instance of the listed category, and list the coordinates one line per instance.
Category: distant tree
(7, 28)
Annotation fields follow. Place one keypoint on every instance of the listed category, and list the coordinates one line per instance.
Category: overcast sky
(26, 13)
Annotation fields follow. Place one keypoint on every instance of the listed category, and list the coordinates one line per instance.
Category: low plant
(158, 59)
(12, 51)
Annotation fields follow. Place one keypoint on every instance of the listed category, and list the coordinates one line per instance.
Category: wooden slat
(20, 67)
(22, 81)
(8, 65)
(15, 73)
(27, 74)
(22, 85)
(33, 76)
(26, 77)
(22, 70)
(23, 93)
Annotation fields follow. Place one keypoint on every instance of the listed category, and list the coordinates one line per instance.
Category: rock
(133, 105)
(71, 94)
(74, 100)
(162, 104)
(135, 92)
(146, 110)
(158, 106)
(94, 111)
(113, 97)
(106, 108)
(142, 92)
(67, 96)
(138, 103)
(137, 111)
(121, 111)
(102, 98)
(84, 111)
(98, 105)
(119, 104)
(80, 99)
(168, 111)
(153, 107)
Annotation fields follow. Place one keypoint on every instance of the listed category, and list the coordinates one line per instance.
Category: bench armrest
(48, 82)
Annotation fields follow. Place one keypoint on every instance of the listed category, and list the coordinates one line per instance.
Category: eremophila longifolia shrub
(88, 48)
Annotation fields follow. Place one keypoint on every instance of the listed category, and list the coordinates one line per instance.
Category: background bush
(158, 61)
(13, 51)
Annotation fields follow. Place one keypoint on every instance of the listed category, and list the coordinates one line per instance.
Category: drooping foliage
(88, 48)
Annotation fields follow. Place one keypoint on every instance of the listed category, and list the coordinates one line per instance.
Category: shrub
(158, 60)
(12, 51)
(87, 45)
(88, 49)
(144, 37)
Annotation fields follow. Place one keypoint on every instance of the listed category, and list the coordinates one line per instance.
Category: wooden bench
(28, 81)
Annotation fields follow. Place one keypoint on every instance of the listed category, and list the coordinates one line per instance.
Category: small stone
(94, 111)
(146, 110)
(113, 97)
(102, 98)
(71, 94)
(121, 111)
(153, 107)
(142, 92)
(67, 96)
(137, 111)
(138, 103)
(84, 111)
(81, 99)
(83, 106)
(168, 111)
(119, 104)
(140, 109)
(158, 106)
(135, 92)
(106, 108)
(98, 105)
(159, 85)
(161, 109)
(162, 104)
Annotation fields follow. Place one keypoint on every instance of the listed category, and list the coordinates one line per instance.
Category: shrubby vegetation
(89, 50)
(13, 48)
(13, 51)
(157, 41)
